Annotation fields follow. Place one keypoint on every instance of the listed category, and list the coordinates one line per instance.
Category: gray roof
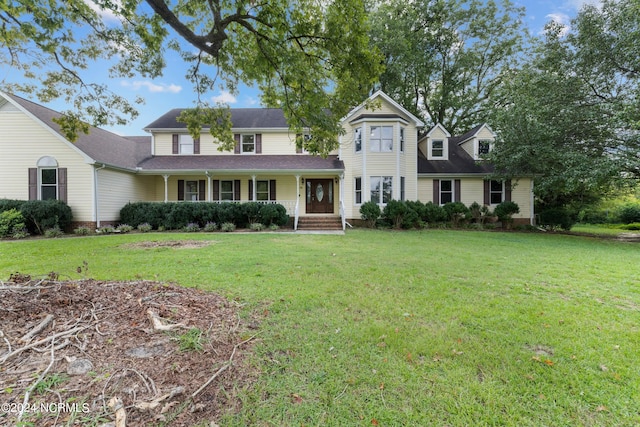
(258, 162)
(100, 145)
(459, 162)
(242, 118)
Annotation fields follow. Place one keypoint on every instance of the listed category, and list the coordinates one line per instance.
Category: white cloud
(562, 19)
(577, 4)
(152, 87)
(107, 15)
(225, 97)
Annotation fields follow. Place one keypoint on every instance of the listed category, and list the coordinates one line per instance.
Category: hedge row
(177, 215)
(40, 215)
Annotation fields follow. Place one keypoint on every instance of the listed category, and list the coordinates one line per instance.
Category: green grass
(406, 328)
(600, 229)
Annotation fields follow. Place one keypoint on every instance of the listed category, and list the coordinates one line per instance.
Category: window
(437, 148)
(185, 144)
(191, 191)
(357, 138)
(47, 181)
(262, 190)
(381, 189)
(496, 192)
(248, 144)
(48, 184)
(483, 147)
(446, 191)
(402, 140)
(358, 187)
(402, 188)
(381, 139)
(226, 190)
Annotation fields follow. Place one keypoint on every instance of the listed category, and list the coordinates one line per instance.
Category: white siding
(116, 189)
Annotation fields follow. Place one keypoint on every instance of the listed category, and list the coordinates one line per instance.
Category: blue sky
(173, 91)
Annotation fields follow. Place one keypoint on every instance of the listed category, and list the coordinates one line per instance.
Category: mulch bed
(99, 357)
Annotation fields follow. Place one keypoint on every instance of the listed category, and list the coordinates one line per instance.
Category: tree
(445, 59)
(310, 58)
(570, 116)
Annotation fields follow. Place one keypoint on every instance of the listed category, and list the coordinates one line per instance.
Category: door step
(319, 223)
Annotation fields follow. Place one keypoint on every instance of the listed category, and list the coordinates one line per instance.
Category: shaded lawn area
(405, 328)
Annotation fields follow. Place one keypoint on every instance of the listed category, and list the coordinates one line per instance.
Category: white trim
(381, 94)
(438, 126)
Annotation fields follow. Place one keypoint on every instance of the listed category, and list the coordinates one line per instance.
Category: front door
(319, 195)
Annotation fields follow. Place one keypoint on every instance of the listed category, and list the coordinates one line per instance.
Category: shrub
(53, 232)
(210, 226)
(433, 213)
(11, 221)
(370, 212)
(400, 215)
(274, 227)
(556, 217)
(20, 233)
(41, 215)
(106, 229)
(228, 226)
(145, 227)
(82, 231)
(629, 213)
(273, 214)
(124, 228)
(505, 211)
(192, 227)
(456, 211)
(633, 226)
(256, 226)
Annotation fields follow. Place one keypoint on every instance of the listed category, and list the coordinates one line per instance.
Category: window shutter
(33, 183)
(236, 148)
(457, 190)
(216, 189)
(174, 144)
(250, 190)
(487, 195)
(507, 190)
(201, 190)
(196, 146)
(436, 191)
(272, 189)
(62, 184)
(181, 189)
(258, 143)
(236, 189)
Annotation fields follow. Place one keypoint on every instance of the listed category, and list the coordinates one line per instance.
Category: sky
(173, 91)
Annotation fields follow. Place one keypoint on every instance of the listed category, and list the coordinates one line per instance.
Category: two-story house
(381, 157)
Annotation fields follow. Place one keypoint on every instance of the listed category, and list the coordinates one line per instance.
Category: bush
(82, 231)
(633, 226)
(256, 226)
(124, 228)
(370, 212)
(192, 227)
(456, 211)
(11, 221)
(41, 215)
(107, 229)
(629, 213)
(53, 232)
(400, 215)
(273, 214)
(228, 226)
(145, 227)
(433, 213)
(505, 211)
(557, 217)
(210, 226)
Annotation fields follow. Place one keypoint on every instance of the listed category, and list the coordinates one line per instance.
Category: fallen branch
(39, 343)
(222, 368)
(37, 329)
(158, 322)
(6, 341)
(25, 401)
(117, 406)
(148, 406)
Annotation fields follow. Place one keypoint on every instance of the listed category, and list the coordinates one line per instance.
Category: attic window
(437, 148)
(483, 147)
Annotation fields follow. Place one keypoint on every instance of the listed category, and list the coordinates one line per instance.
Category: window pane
(496, 185)
(49, 176)
(496, 198)
(445, 198)
(387, 132)
(48, 192)
(375, 189)
(247, 144)
(375, 132)
(445, 185)
(186, 144)
(387, 192)
(437, 148)
(358, 186)
(262, 190)
(358, 139)
(226, 190)
(387, 145)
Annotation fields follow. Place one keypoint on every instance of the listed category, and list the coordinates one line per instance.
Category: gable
(387, 109)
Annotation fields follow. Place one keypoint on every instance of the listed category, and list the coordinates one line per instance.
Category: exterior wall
(366, 163)
(23, 142)
(116, 189)
(273, 142)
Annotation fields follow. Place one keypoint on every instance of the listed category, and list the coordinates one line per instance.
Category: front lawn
(404, 328)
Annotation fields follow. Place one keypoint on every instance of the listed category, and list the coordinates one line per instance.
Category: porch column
(296, 212)
(209, 187)
(254, 196)
(166, 188)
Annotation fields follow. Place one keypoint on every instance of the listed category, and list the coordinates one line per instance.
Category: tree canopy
(307, 57)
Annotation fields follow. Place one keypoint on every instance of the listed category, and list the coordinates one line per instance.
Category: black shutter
(174, 144)
(201, 190)
(216, 189)
(33, 183)
(436, 191)
(250, 190)
(236, 148)
(258, 143)
(236, 189)
(487, 193)
(181, 189)
(196, 146)
(507, 190)
(62, 184)
(272, 189)
(457, 190)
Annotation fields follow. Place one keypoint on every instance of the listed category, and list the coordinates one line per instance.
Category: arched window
(47, 181)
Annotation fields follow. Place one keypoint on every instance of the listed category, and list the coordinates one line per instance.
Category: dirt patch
(175, 244)
(75, 346)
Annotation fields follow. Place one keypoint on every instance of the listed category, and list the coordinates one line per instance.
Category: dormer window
(437, 148)
(484, 146)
